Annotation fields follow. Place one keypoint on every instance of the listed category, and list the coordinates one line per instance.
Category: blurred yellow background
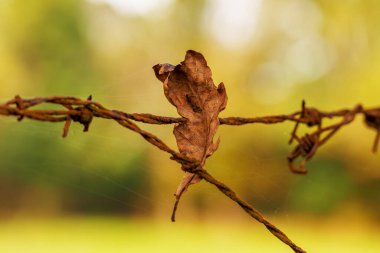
(109, 191)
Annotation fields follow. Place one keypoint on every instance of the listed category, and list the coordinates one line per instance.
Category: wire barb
(372, 120)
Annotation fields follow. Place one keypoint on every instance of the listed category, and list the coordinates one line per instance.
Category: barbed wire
(83, 112)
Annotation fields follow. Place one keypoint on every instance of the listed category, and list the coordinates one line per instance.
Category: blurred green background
(109, 190)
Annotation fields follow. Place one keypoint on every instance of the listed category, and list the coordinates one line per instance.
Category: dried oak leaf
(190, 88)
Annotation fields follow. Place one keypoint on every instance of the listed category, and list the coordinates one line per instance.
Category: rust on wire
(194, 109)
(83, 112)
(372, 120)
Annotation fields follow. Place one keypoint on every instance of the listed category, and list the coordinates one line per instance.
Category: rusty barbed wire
(83, 112)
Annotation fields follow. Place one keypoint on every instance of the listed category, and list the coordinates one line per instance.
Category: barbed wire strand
(83, 111)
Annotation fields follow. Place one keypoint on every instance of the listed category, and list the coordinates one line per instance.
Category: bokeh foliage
(325, 52)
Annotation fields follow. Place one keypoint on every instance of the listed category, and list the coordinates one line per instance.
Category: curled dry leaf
(190, 88)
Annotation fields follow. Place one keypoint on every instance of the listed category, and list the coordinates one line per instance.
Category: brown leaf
(190, 88)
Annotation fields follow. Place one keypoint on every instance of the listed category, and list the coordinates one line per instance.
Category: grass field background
(101, 234)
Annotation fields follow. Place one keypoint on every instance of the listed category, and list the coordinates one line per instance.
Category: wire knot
(84, 117)
(306, 148)
(193, 168)
(20, 105)
(309, 116)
